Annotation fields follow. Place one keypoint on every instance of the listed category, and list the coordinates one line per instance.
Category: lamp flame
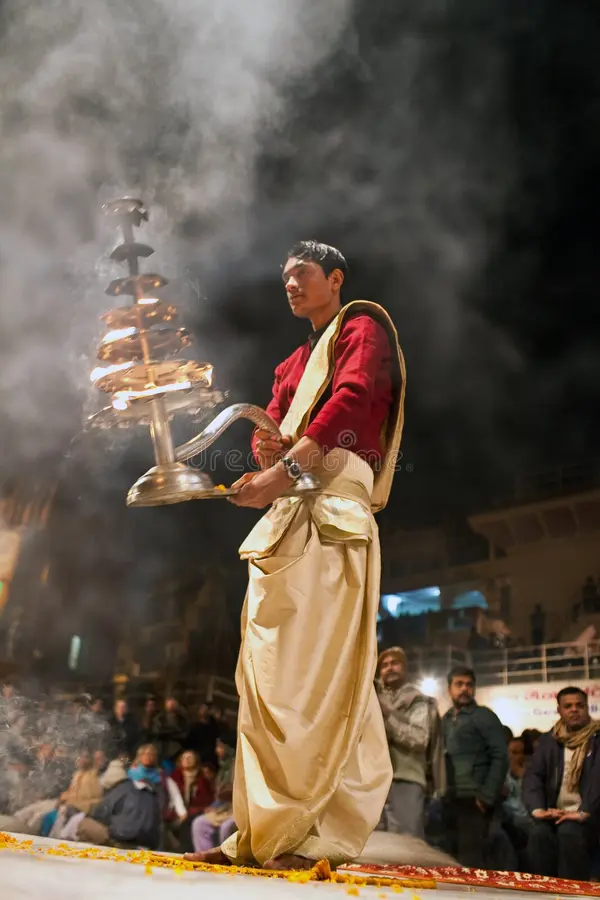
(101, 371)
(118, 334)
(122, 399)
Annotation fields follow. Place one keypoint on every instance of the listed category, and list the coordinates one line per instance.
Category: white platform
(25, 877)
(30, 877)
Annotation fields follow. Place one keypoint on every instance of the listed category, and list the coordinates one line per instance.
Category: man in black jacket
(124, 733)
(170, 730)
(561, 791)
(476, 763)
(129, 815)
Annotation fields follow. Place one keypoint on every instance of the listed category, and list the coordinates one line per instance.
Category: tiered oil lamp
(148, 382)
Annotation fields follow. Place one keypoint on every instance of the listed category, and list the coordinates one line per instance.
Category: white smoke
(167, 98)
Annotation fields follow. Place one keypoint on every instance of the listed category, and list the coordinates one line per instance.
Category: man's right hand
(269, 448)
(546, 813)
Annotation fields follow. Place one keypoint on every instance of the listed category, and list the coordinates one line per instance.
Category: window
(74, 652)
(412, 603)
(469, 599)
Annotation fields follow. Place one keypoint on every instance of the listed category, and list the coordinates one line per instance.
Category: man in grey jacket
(412, 724)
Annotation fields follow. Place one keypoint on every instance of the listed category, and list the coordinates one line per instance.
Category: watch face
(292, 467)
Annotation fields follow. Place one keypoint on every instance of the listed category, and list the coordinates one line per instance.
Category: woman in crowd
(146, 769)
(197, 791)
(215, 826)
(84, 792)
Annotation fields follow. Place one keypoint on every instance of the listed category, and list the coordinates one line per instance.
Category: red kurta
(354, 408)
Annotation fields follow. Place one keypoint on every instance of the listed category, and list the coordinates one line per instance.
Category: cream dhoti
(312, 767)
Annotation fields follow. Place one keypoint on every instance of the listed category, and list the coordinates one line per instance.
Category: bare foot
(289, 862)
(214, 857)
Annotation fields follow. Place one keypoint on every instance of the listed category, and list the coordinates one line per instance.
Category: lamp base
(170, 483)
(177, 483)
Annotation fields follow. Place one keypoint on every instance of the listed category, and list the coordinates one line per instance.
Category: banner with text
(530, 705)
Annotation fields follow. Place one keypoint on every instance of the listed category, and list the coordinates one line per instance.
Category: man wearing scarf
(312, 765)
(561, 790)
(413, 731)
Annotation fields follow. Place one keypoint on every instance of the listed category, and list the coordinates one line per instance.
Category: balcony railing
(557, 482)
(511, 665)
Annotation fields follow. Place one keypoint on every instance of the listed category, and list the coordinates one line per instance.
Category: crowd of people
(529, 803)
(161, 779)
(158, 779)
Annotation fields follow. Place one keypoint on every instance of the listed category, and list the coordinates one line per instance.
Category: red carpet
(479, 878)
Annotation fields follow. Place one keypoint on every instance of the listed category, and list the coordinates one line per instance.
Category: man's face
(308, 288)
(392, 671)
(7, 691)
(573, 710)
(516, 756)
(203, 712)
(171, 705)
(97, 706)
(462, 690)
(121, 709)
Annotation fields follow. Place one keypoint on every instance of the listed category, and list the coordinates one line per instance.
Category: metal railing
(562, 480)
(512, 665)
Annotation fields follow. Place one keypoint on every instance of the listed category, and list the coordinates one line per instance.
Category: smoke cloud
(168, 99)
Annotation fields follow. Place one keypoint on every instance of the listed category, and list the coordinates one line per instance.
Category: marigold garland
(321, 871)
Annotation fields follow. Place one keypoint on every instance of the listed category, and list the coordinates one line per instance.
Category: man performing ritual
(313, 767)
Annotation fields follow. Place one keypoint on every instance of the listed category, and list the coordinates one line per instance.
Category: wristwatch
(292, 468)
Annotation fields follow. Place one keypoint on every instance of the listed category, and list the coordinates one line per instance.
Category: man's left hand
(263, 489)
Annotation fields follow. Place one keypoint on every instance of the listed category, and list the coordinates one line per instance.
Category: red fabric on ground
(518, 881)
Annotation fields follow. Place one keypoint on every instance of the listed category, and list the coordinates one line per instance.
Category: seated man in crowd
(561, 790)
(516, 819)
(129, 815)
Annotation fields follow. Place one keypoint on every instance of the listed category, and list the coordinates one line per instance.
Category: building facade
(530, 567)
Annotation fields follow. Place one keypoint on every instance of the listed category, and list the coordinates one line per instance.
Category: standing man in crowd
(124, 735)
(170, 731)
(312, 765)
(561, 790)
(413, 731)
(477, 763)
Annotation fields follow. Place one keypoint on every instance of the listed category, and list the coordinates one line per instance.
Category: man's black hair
(461, 672)
(571, 690)
(329, 258)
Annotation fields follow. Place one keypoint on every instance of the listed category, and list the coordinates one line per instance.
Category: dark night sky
(452, 151)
